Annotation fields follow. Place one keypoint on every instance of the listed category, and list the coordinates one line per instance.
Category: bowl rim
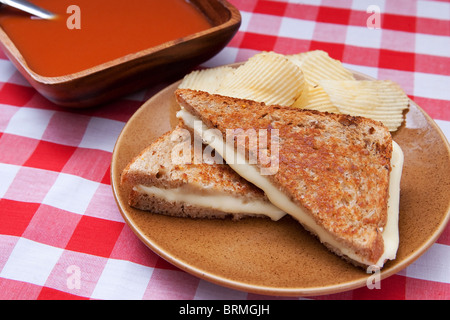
(16, 56)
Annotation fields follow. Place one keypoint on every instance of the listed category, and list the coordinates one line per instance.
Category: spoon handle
(30, 8)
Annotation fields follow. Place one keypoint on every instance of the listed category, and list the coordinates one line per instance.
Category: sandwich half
(338, 175)
(171, 177)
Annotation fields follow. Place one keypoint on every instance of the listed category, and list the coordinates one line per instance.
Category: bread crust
(335, 166)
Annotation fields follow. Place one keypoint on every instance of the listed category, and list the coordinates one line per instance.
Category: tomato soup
(99, 31)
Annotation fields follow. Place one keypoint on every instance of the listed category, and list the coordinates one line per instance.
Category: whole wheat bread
(155, 166)
(334, 166)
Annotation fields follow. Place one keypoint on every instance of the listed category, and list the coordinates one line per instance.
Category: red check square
(95, 236)
(333, 15)
(50, 156)
(270, 7)
(16, 216)
(52, 294)
(107, 177)
(259, 42)
(16, 95)
(398, 22)
(396, 60)
(163, 264)
(335, 50)
(392, 288)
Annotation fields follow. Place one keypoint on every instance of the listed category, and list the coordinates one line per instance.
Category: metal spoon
(30, 8)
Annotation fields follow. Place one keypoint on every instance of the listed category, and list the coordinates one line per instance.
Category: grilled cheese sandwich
(353, 216)
(162, 184)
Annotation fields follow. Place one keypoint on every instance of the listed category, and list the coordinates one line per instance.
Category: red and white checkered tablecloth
(58, 217)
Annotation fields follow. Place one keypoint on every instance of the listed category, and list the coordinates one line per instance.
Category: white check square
(296, 29)
(207, 290)
(363, 5)
(7, 174)
(122, 280)
(372, 37)
(370, 71)
(101, 134)
(226, 56)
(31, 262)
(71, 193)
(445, 127)
(308, 2)
(433, 10)
(7, 69)
(29, 122)
(432, 266)
(432, 45)
(431, 86)
(245, 20)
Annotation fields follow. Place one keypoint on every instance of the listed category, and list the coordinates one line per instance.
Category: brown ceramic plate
(133, 72)
(280, 258)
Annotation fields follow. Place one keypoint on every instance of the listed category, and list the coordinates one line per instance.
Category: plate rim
(264, 289)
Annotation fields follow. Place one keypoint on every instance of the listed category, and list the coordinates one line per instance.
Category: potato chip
(302, 100)
(266, 77)
(308, 80)
(317, 99)
(205, 80)
(318, 65)
(381, 100)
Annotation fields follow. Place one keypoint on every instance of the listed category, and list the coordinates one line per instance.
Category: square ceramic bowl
(133, 72)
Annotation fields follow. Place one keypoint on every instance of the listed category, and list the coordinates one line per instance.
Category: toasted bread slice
(170, 177)
(334, 170)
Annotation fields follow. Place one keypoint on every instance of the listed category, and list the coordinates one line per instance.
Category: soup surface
(97, 31)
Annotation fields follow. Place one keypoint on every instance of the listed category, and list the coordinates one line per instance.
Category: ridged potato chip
(381, 100)
(318, 65)
(205, 80)
(302, 100)
(266, 77)
(317, 99)
(307, 80)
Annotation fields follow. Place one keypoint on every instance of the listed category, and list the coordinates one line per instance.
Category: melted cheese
(214, 200)
(250, 172)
